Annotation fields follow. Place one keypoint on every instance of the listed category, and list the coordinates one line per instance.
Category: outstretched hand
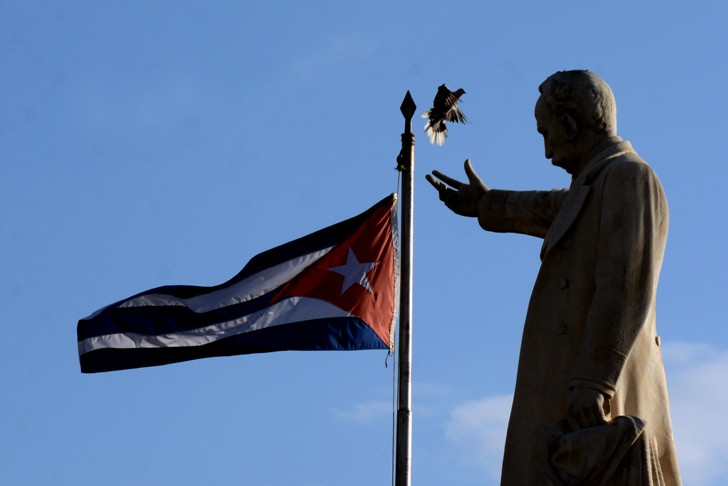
(461, 198)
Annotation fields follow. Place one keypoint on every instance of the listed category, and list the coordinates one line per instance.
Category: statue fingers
(434, 182)
(442, 189)
(473, 176)
(454, 183)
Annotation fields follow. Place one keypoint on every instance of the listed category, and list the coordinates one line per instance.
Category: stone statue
(591, 398)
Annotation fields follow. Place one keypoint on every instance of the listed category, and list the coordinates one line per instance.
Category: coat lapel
(569, 211)
(578, 193)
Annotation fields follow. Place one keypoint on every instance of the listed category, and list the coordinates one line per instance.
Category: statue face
(559, 137)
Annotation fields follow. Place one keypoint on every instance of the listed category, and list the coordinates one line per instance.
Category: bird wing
(453, 113)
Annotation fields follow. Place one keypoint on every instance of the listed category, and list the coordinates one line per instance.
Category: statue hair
(584, 96)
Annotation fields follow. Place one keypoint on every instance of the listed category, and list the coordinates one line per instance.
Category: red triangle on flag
(357, 275)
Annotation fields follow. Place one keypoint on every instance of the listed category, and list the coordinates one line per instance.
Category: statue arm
(632, 235)
(526, 212)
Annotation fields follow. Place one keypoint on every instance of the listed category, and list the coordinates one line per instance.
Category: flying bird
(444, 109)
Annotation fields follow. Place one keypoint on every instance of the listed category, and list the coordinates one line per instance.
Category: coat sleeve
(631, 241)
(526, 212)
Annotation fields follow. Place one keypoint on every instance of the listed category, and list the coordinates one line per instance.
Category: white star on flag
(354, 272)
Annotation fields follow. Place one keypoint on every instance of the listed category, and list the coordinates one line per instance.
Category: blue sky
(151, 143)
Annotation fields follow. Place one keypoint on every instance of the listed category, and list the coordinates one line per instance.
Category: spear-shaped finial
(407, 108)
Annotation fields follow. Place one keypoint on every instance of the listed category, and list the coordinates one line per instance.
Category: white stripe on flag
(247, 289)
(288, 311)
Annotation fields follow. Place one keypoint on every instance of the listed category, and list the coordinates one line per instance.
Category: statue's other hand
(585, 408)
(461, 198)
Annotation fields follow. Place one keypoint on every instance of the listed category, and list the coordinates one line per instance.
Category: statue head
(575, 113)
(584, 96)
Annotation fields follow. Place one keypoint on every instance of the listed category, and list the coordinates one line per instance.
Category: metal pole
(406, 164)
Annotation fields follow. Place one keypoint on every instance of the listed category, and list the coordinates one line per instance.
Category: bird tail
(436, 133)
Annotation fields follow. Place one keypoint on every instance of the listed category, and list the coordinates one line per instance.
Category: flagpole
(406, 165)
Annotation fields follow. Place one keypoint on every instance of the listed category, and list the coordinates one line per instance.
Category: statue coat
(591, 317)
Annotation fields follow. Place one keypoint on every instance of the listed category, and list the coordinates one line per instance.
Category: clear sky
(145, 143)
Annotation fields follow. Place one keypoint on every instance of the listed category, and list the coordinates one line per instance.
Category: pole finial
(408, 106)
(405, 158)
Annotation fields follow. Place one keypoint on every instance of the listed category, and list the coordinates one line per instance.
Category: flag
(335, 289)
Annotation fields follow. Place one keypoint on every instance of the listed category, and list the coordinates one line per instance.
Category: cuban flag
(335, 289)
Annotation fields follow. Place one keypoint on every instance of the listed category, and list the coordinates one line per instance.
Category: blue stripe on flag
(341, 334)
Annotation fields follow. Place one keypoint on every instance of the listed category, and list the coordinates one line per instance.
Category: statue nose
(547, 147)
